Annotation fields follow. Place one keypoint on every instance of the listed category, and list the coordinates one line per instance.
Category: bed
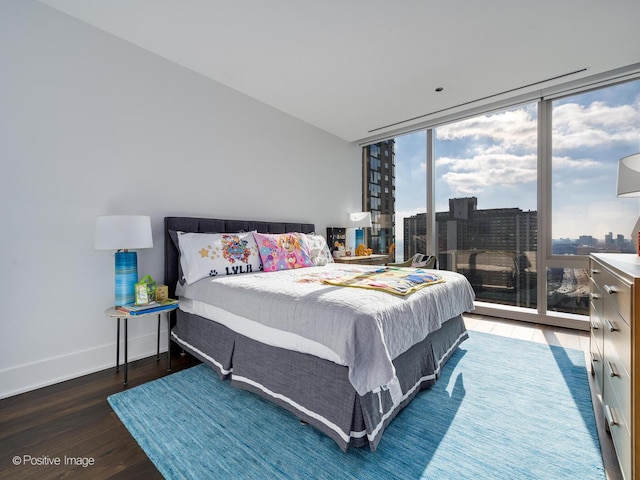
(343, 360)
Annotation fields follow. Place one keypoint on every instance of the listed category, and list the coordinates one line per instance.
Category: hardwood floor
(73, 419)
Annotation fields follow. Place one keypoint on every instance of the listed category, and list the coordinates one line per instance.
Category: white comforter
(365, 328)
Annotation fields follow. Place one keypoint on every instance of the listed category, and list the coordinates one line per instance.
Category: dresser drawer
(597, 365)
(619, 382)
(619, 429)
(617, 337)
(613, 289)
(596, 315)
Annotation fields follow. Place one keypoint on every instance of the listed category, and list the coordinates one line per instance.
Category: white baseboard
(575, 322)
(31, 376)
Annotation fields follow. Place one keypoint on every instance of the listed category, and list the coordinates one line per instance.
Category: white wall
(92, 125)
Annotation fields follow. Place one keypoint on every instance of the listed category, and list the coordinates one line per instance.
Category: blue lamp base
(126, 277)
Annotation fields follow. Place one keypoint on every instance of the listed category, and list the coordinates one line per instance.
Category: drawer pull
(594, 296)
(594, 326)
(594, 357)
(609, 416)
(611, 326)
(609, 289)
(612, 370)
(594, 271)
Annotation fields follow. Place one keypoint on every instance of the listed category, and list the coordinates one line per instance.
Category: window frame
(545, 257)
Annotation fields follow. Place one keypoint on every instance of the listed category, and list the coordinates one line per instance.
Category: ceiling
(360, 68)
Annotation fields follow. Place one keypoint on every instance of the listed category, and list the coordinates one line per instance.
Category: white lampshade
(629, 176)
(123, 232)
(359, 220)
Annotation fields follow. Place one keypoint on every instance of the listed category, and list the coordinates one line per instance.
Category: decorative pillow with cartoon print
(210, 254)
(283, 251)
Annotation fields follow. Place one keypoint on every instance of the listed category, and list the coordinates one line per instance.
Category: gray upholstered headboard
(214, 225)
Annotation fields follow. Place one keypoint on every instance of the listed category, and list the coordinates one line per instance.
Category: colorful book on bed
(396, 280)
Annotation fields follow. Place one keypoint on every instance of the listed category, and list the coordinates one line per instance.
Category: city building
(378, 187)
(464, 227)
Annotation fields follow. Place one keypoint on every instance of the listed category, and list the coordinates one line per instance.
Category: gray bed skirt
(317, 391)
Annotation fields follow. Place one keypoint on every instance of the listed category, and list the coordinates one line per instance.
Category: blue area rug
(502, 409)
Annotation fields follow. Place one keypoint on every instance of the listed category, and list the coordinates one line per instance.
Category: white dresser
(615, 343)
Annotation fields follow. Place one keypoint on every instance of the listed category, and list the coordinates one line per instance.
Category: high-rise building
(464, 227)
(415, 235)
(379, 194)
(494, 248)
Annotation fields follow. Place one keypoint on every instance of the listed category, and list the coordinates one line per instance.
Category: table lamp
(629, 176)
(355, 223)
(123, 233)
(629, 186)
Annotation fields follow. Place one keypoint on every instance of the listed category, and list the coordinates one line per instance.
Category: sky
(494, 158)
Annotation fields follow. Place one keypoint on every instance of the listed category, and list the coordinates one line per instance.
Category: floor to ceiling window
(590, 132)
(519, 197)
(486, 203)
(411, 195)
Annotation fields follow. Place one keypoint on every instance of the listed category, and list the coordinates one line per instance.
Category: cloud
(471, 176)
(510, 128)
(575, 163)
(594, 125)
(500, 148)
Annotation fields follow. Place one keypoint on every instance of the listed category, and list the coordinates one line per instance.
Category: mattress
(259, 332)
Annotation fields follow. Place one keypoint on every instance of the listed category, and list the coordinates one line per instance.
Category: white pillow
(211, 254)
(318, 249)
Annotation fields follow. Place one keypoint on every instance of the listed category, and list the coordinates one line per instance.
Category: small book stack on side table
(122, 313)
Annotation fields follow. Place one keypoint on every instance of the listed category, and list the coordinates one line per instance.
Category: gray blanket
(366, 328)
